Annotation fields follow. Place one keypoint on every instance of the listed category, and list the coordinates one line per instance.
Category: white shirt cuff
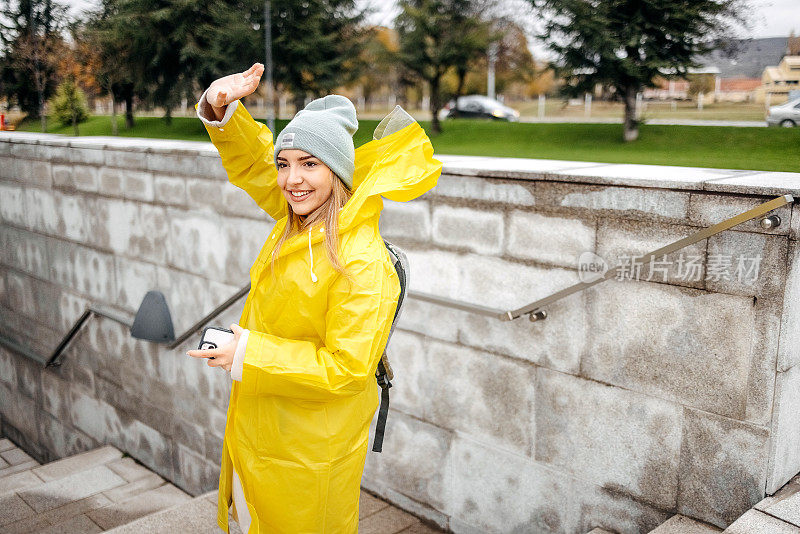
(205, 114)
(238, 357)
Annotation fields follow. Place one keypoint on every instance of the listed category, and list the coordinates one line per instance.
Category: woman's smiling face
(300, 172)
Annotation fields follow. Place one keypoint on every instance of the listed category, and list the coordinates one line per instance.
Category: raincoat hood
(397, 163)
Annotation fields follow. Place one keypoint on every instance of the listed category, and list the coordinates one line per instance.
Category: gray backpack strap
(384, 372)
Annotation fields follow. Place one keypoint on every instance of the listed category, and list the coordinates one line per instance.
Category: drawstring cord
(311, 263)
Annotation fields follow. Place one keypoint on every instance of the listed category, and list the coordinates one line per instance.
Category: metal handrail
(534, 308)
(213, 313)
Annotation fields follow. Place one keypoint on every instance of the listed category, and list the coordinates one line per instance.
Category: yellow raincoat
(298, 423)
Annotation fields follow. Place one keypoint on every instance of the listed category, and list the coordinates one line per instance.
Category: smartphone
(214, 337)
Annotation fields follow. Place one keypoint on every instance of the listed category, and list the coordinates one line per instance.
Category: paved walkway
(103, 491)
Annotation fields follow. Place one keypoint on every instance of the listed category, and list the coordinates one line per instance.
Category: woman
(313, 328)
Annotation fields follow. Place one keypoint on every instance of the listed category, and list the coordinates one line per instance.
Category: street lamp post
(268, 65)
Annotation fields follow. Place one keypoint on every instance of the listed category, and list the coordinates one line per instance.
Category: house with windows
(777, 82)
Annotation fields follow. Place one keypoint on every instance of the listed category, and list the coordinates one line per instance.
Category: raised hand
(225, 90)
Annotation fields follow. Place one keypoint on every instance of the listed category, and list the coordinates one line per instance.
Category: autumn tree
(30, 44)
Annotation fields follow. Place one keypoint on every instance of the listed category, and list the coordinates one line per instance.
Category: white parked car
(787, 115)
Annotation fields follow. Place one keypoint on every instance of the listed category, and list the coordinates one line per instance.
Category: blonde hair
(328, 212)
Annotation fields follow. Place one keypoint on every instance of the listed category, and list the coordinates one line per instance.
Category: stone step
(679, 524)
(89, 492)
(198, 515)
(13, 460)
(777, 514)
(76, 463)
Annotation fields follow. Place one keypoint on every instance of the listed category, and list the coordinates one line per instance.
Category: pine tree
(625, 44)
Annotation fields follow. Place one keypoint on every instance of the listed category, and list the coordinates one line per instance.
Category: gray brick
(126, 159)
(13, 508)
(77, 463)
(193, 472)
(172, 163)
(420, 467)
(785, 445)
(82, 269)
(618, 241)
(723, 467)
(608, 436)
(665, 344)
(553, 240)
(755, 522)
(18, 481)
(111, 181)
(406, 220)
(746, 263)
(13, 205)
(135, 279)
(138, 185)
(237, 203)
(45, 216)
(139, 506)
(476, 230)
(170, 190)
(610, 508)
(37, 173)
(708, 209)
(86, 178)
(86, 155)
(204, 195)
(628, 202)
(489, 484)
(485, 189)
(197, 515)
(70, 488)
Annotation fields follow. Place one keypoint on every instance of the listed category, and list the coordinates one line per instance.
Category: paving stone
(68, 511)
(11, 469)
(18, 481)
(141, 505)
(789, 489)
(679, 524)
(755, 522)
(76, 463)
(12, 509)
(140, 485)
(198, 516)
(77, 525)
(390, 520)
(369, 504)
(3, 463)
(71, 488)
(420, 528)
(6, 444)
(787, 509)
(24, 526)
(16, 456)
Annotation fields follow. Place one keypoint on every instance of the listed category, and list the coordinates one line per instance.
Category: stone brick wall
(103, 221)
(632, 401)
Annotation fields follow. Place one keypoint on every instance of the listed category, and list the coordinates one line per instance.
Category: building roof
(739, 84)
(749, 58)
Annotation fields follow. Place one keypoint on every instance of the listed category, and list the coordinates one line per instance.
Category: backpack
(384, 372)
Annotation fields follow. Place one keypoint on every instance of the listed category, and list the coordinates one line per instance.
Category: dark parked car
(478, 106)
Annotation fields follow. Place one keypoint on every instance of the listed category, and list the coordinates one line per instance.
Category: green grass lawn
(772, 149)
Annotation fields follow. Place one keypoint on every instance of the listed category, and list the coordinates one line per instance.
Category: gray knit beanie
(324, 128)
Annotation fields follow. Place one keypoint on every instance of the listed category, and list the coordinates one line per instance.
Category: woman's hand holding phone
(221, 356)
(225, 90)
